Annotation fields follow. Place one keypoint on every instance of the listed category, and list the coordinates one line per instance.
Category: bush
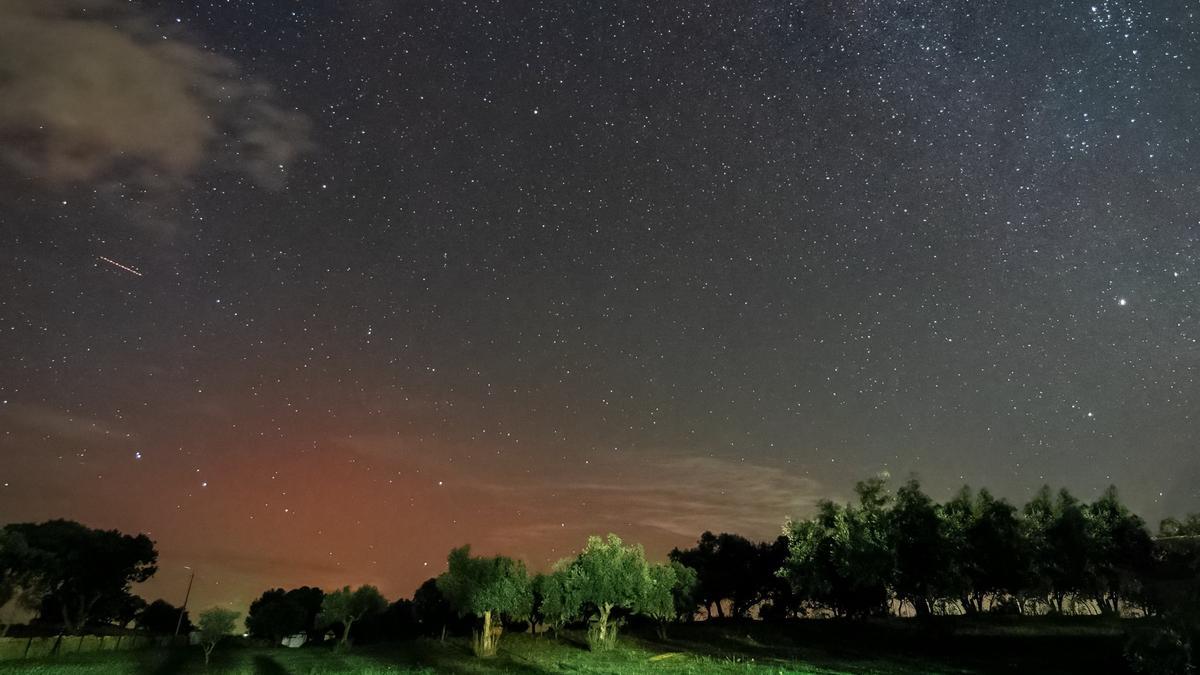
(1160, 650)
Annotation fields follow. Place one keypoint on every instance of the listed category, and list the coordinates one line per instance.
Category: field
(994, 646)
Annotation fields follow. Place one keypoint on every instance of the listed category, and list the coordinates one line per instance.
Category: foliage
(431, 609)
(345, 606)
(215, 624)
(277, 614)
(486, 588)
(78, 569)
(842, 558)
(161, 617)
(608, 576)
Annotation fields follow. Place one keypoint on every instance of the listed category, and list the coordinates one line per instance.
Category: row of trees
(972, 554)
(881, 553)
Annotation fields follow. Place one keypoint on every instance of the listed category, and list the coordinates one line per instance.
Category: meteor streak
(114, 263)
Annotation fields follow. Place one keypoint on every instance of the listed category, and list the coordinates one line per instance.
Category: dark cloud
(89, 94)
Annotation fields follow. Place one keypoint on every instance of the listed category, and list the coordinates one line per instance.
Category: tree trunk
(345, 634)
(602, 624)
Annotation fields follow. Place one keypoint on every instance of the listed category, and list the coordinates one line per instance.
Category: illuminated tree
(215, 624)
(607, 576)
(486, 588)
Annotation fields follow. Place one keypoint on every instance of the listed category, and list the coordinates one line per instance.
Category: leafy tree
(277, 614)
(683, 592)
(215, 624)
(721, 562)
(346, 606)
(917, 537)
(431, 608)
(842, 557)
(606, 576)
(554, 605)
(81, 568)
(1120, 551)
(987, 554)
(486, 588)
(659, 594)
(160, 618)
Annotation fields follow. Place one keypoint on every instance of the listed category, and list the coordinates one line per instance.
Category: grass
(819, 647)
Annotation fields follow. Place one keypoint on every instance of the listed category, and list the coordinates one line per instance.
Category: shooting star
(114, 263)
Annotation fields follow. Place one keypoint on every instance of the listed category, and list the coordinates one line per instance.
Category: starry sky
(312, 292)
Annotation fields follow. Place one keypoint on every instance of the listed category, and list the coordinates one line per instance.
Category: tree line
(883, 553)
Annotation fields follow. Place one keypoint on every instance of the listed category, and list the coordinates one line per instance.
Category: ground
(901, 647)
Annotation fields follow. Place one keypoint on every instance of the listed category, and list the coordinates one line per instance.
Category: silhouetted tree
(82, 569)
(396, 622)
(921, 550)
(345, 606)
(431, 608)
(1120, 551)
(486, 588)
(726, 566)
(160, 618)
(277, 614)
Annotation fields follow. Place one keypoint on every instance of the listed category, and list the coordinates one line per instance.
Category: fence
(41, 647)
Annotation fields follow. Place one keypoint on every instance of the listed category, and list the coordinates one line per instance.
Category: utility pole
(183, 609)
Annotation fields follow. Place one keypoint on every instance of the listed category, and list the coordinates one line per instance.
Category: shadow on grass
(164, 662)
(265, 665)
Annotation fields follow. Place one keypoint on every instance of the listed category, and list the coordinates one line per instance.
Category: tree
(345, 606)
(277, 614)
(606, 576)
(1173, 527)
(554, 606)
(486, 588)
(920, 548)
(1059, 547)
(842, 557)
(431, 608)
(160, 618)
(726, 566)
(658, 595)
(81, 568)
(683, 593)
(215, 624)
(1120, 551)
(21, 577)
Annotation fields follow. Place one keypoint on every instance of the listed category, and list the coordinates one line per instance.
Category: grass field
(997, 646)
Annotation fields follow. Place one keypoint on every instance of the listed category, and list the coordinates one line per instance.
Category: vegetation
(879, 558)
(215, 624)
(489, 589)
(346, 606)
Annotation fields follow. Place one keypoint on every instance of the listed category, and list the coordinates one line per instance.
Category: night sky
(314, 291)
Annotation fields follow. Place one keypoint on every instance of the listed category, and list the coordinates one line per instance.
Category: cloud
(89, 94)
(53, 422)
(684, 496)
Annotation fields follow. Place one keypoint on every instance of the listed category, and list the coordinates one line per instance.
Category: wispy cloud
(95, 92)
(46, 421)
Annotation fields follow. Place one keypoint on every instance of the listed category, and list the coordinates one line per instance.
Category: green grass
(824, 647)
